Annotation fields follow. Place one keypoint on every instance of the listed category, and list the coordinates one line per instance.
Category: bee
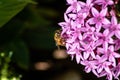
(60, 41)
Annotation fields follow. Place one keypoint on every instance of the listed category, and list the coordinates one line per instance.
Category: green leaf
(9, 8)
(20, 52)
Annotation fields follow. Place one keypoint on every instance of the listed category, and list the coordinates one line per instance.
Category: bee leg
(58, 47)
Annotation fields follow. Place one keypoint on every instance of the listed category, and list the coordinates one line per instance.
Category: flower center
(99, 19)
(87, 40)
(113, 28)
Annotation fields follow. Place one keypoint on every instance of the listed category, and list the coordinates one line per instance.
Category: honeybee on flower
(58, 38)
(91, 31)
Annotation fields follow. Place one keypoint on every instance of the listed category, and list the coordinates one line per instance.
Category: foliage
(9, 8)
(25, 26)
(6, 72)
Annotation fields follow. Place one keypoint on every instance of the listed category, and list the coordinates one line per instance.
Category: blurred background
(29, 36)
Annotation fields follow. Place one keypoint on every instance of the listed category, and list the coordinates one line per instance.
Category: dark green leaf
(9, 8)
(20, 52)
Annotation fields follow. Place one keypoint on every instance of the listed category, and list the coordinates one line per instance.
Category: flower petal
(88, 2)
(86, 55)
(107, 69)
(103, 12)
(112, 59)
(93, 54)
(73, 16)
(66, 18)
(78, 58)
(72, 52)
(100, 50)
(103, 73)
(114, 20)
(98, 27)
(98, 2)
(111, 48)
(69, 9)
(118, 26)
(87, 69)
(98, 43)
(105, 46)
(82, 3)
(116, 55)
(111, 41)
(103, 58)
(94, 72)
(99, 69)
(117, 34)
(80, 36)
(117, 46)
(106, 32)
(105, 21)
(109, 76)
(62, 24)
(72, 56)
(95, 12)
(71, 1)
(110, 2)
(91, 21)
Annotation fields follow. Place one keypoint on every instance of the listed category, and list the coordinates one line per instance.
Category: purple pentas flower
(85, 7)
(117, 44)
(74, 6)
(90, 65)
(87, 40)
(104, 3)
(102, 63)
(88, 37)
(79, 18)
(92, 36)
(75, 52)
(112, 55)
(116, 71)
(109, 76)
(65, 25)
(104, 39)
(103, 67)
(114, 27)
(89, 54)
(98, 18)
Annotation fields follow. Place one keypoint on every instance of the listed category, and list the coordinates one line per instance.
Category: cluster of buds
(92, 36)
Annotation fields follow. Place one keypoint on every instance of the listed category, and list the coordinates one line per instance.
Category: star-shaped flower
(103, 64)
(104, 39)
(104, 3)
(113, 27)
(90, 66)
(116, 71)
(85, 7)
(98, 18)
(112, 55)
(74, 6)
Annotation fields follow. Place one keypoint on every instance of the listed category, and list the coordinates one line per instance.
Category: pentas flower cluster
(92, 35)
